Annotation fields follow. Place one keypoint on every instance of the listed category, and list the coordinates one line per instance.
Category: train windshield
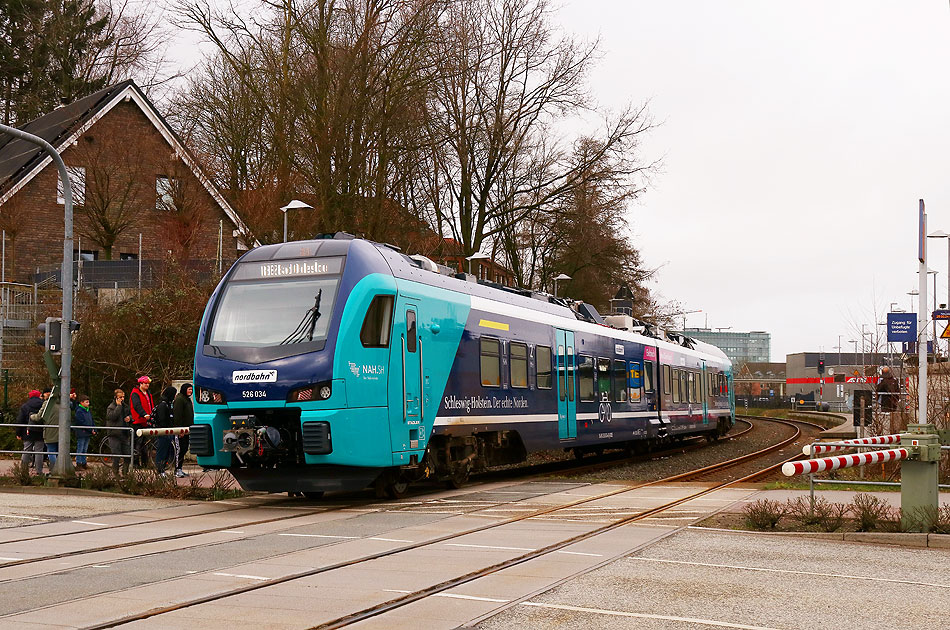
(268, 305)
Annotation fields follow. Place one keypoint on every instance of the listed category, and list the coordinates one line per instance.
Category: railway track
(408, 598)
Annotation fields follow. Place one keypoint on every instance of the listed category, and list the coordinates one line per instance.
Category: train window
(647, 376)
(377, 323)
(692, 378)
(411, 331)
(561, 373)
(603, 379)
(684, 391)
(570, 372)
(543, 360)
(667, 380)
(518, 364)
(620, 381)
(490, 350)
(634, 381)
(676, 386)
(585, 377)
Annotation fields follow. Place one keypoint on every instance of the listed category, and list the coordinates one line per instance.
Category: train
(339, 364)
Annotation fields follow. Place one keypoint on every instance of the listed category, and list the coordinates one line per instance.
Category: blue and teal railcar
(338, 363)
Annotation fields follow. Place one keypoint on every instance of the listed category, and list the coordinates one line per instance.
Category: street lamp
(942, 234)
(560, 276)
(293, 205)
(912, 295)
(476, 256)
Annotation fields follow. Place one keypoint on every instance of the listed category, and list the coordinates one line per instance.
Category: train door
(566, 397)
(406, 406)
(704, 392)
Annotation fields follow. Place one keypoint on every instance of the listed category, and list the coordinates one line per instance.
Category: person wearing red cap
(33, 445)
(140, 401)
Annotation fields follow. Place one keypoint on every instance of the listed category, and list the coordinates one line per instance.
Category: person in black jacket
(32, 436)
(119, 416)
(184, 411)
(163, 418)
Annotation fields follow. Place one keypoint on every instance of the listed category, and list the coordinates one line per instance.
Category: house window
(87, 255)
(77, 179)
(490, 351)
(518, 364)
(128, 256)
(165, 192)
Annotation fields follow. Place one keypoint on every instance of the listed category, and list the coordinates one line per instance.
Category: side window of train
(585, 377)
(693, 383)
(676, 385)
(411, 331)
(542, 357)
(562, 373)
(647, 376)
(518, 364)
(603, 379)
(635, 380)
(620, 380)
(490, 351)
(570, 372)
(667, 380)
(378, 323)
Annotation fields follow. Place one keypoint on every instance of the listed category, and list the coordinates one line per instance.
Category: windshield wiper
(305, 329)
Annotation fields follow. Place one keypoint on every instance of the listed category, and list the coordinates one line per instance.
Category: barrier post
(920, 497)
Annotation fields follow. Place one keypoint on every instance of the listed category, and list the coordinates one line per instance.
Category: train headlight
(317, 391)
(209, 396)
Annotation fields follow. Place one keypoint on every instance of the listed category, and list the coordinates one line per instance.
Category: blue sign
(941, 314)
(901, 327)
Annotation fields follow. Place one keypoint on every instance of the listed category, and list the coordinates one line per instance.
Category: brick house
(133, 181)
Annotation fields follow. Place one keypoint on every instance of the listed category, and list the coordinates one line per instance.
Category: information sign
(901, 327)
(941, 314)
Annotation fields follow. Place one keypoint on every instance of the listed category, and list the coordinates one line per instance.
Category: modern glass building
(741, 347)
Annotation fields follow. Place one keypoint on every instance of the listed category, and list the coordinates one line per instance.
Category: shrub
(942, 524)
(800, 509)
(831, 515)
(99, 478)
(763, 514)
(870, 511)
(21, 474)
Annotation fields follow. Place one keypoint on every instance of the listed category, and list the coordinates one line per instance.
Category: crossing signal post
(52, 331)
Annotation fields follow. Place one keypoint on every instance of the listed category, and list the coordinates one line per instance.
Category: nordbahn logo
(254, 376)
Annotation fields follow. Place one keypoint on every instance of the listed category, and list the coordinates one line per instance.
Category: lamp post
(912, 295)
(560, 276)
(476, 256)
(293, 205)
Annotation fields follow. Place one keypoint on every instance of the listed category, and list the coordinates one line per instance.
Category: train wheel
(579, 453)
(397, 488)
(314, 495)
(459, 479)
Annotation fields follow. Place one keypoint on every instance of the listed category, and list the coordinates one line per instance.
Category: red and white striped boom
(843, 461)
(830, 448)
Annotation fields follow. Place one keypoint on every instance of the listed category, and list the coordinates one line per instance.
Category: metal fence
(124, 274)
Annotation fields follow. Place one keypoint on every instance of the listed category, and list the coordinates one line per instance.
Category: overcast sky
(796, 139)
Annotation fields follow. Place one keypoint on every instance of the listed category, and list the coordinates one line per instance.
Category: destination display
(289, 269)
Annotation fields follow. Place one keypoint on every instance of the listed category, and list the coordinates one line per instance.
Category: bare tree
(504, 83)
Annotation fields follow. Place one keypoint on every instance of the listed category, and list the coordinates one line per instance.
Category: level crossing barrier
(830, 447)
(168, 431)
(811, 466)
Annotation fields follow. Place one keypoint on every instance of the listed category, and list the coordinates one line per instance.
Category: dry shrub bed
(138, 482)
(866, 513)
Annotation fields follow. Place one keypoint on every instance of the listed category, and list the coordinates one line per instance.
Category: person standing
(32, 436)
(119, 416)
(184, 411)
(83, 435)
(163, 419)
(141, 407)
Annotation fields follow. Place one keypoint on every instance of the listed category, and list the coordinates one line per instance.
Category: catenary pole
(922, 317)
(63, 461)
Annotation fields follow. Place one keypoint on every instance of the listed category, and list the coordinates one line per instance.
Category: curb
(900, 539)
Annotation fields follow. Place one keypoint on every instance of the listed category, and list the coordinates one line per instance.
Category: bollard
(920, 497)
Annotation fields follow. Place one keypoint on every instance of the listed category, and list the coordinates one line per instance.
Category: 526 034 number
(254, 394)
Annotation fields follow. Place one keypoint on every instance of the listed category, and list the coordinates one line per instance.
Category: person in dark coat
(83, 435)
(888, 391)
(119, 416)
(32, 436)
(184, 411)
(163, 418)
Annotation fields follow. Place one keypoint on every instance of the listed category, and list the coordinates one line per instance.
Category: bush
(800, 509)
(831, 515)
(870, 512)
(763, 514)
(942, 524)
(21, 474)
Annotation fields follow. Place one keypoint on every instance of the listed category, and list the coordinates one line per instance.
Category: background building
(741, 347)
(843, 373)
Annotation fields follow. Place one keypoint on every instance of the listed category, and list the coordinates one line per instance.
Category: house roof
(21, 161)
